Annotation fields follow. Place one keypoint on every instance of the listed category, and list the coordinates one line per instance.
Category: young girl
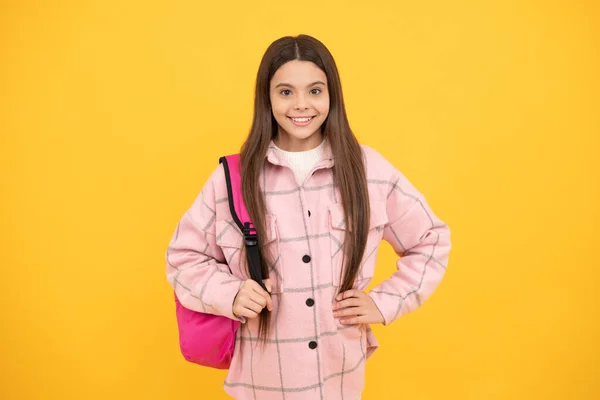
(321, 203)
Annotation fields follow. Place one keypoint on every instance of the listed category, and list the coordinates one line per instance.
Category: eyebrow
(292, 86)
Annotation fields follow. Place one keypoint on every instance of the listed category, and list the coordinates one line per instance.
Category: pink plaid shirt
(309, 354)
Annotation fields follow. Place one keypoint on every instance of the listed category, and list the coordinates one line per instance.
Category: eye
(286, 92)
(317, 90)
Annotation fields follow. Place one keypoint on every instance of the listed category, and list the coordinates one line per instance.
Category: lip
(312, 117)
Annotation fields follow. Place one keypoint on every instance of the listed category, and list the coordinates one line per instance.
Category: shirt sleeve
(421, 240)
(196, 267)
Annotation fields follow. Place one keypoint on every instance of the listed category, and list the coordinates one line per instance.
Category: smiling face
(300, 104)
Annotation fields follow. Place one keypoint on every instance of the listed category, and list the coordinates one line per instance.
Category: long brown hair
(348, 170)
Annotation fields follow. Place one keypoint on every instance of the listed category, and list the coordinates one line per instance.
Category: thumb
(267, 283)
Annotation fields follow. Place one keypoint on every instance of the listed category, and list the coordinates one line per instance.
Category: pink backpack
(208, 339)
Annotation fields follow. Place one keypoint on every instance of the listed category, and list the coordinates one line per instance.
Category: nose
(301, 103)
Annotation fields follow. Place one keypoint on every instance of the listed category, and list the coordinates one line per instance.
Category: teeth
(301, 119)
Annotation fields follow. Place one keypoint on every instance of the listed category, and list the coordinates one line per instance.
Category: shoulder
(215, 186)
(384, 178)
(218, 174)
(376, 164)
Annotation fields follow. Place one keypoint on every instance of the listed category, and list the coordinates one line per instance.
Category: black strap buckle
(250, 237)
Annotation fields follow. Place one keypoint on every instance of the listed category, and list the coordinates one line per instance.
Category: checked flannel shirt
(309, 354)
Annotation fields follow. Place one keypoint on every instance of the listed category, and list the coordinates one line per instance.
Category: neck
(288, 143)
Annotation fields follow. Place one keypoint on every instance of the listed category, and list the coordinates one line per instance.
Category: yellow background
(113, 114)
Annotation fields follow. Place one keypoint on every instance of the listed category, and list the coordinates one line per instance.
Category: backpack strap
(233, 177)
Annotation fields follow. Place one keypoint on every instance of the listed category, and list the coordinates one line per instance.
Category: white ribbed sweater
(302, 162)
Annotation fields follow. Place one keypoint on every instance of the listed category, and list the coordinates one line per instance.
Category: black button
(309, 213)
(310, 302)
(312, 345)
(306, 259)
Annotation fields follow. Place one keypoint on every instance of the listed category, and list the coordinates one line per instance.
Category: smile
(301, 121)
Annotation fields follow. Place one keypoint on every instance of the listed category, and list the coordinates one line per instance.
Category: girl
(321, 203)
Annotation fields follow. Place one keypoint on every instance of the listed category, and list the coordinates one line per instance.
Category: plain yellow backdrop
(113, 113)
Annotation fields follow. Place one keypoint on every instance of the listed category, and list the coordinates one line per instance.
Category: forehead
(298, 73)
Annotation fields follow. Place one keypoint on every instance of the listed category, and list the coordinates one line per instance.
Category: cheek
(279, 109)
(323, 105)
(279, 116)
(324, 108)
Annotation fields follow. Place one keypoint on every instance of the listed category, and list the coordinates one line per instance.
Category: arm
(422, 241)
(196, 267)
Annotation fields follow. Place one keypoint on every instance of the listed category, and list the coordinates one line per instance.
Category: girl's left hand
(356, 307)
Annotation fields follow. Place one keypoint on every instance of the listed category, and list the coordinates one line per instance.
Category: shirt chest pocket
(338, 232)
(230, 240)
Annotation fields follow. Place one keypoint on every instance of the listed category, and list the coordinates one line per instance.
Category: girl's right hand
(251, 299)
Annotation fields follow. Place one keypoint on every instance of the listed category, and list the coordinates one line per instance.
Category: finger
(347, 294)
(255, 287)
(246, 312)
(351, 311)
(258, 300)
(247, 301)
(252, 305)
(265, 295)
(353, 320)
(269, 303)
(246, 307)
(351, 302)
(267, 283)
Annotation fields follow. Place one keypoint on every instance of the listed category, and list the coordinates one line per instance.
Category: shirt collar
(326, 160)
